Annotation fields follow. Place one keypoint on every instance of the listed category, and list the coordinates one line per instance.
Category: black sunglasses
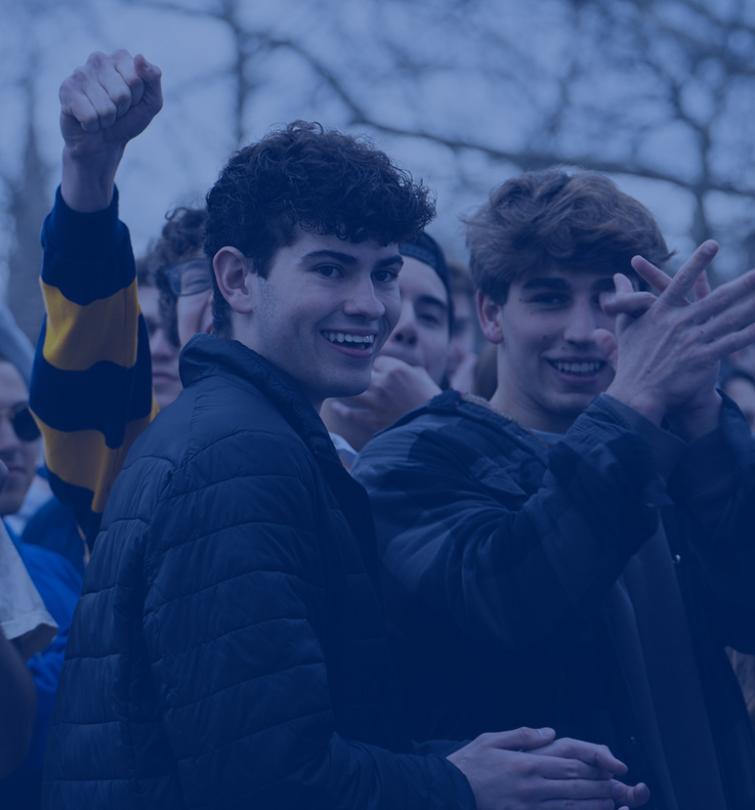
(23, 423)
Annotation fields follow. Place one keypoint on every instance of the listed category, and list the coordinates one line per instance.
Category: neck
(508, 401)
(344, 424)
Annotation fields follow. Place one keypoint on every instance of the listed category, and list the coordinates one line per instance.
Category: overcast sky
(177, 159)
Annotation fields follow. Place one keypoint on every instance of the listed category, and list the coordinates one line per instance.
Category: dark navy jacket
(229, 650)
(500, 551)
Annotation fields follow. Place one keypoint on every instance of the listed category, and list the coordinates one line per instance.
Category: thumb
(151, 75)
(607, 346)
(523, 739)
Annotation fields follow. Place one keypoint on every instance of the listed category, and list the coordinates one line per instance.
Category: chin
(348, 388)
(10, 504)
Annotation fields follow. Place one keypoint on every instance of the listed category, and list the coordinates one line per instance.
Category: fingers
(579, 790)
(634, 303)
(631, 796)
(702, 286)
(125, 65)
(733, 342)
(607, 346)
(598, 756)
(107, 87)
(151, 75)
(684, 280)
(733, 299)
(520, 739)
(561, 768)
(571, 804)
(654, 276)
(75, 104)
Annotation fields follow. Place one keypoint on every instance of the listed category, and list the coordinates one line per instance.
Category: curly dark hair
(319, 180)
(182, 237)
(578, 220)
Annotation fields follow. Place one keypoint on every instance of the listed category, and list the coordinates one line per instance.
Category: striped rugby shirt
(91, 388)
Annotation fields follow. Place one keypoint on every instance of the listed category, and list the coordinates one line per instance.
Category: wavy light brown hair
(579, 221)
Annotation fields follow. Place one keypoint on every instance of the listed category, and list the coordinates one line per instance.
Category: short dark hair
(181, 237)
(322, 181)
(579, 220)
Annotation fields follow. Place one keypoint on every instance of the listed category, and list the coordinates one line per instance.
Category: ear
(232, 270)
(490, 315)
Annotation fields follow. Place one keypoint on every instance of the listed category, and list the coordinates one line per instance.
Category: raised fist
(107, 102)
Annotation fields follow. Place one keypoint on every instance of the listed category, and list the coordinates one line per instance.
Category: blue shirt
(59, 585)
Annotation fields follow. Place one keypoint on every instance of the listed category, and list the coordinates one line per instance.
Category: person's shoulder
(447, 425)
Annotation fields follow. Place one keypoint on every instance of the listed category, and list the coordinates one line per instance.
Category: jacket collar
(207, 355)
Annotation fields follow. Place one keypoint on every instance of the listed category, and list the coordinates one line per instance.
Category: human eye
(429, 318)
(385, 275)
(328, 270)
(549, 299)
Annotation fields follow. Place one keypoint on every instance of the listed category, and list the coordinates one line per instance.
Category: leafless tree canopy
(657, 93)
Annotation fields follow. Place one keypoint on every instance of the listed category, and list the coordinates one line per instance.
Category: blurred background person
(56, 579)
(163, 347)
(466, 336)
(411, 367)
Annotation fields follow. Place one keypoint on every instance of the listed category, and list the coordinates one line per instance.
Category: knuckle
(527, 794)
(122, 100)
(527, 767)
(97, 58)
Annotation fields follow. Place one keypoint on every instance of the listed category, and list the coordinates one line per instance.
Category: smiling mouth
(363, 344)
(578, 368)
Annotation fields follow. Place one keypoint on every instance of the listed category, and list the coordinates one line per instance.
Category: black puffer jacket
(229, 650)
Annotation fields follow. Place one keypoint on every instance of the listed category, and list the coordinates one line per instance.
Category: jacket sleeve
(91, 388)
(464, 544)
(714, 484)
(234, 632)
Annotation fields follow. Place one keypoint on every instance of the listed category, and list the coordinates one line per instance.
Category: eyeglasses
(189, 277)
(22, 422)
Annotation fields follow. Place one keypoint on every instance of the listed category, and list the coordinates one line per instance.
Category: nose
(160, 346)
(405, 331)
(363, 302)
(581, 325)
(9, 442)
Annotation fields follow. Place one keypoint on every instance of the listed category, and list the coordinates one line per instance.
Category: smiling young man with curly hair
(228, 649)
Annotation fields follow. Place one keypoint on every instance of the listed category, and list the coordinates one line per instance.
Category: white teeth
(363, 341)
(578, 368)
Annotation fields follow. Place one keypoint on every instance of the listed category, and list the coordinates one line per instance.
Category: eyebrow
(548, 283)
(545, 283)
(347, 258)
(432, 301)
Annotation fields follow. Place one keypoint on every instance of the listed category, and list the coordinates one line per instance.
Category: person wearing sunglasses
(54, 577)
(19, 439)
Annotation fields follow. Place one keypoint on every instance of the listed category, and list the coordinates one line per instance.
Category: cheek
(194, 314)
(31, 457)
(392, 304)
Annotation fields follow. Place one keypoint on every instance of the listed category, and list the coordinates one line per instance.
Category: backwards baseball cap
(425, 249)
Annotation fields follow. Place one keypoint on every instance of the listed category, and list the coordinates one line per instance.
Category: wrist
(644, 403)
(695, 420)
(87, 184)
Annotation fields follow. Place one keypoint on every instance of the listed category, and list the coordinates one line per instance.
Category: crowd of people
(294, 544)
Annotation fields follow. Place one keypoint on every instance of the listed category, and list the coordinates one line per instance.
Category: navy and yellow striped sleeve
(91, 386)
